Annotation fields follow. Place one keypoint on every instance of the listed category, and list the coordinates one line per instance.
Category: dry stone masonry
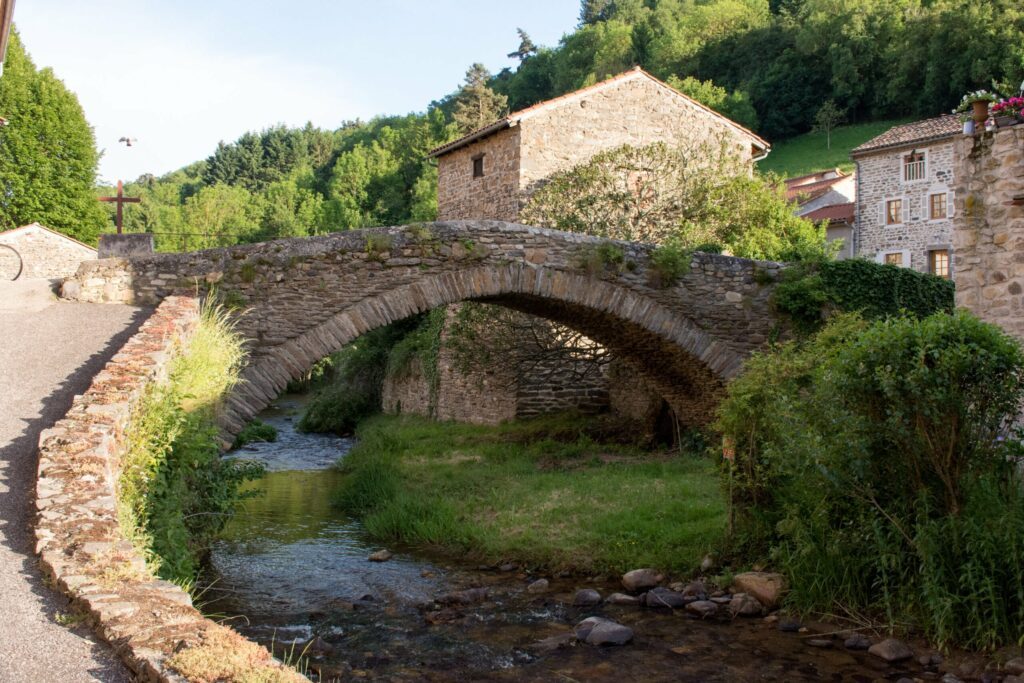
(79, 539)
(988, 232)
(44, 252)
(304, 298)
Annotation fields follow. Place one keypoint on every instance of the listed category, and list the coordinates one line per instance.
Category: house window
(938, 262)
(894, 258)
(894, 211)
(478, 166)
(913, 166)
(937, 205)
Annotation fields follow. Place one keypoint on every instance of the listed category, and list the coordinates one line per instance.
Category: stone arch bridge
(304, 298)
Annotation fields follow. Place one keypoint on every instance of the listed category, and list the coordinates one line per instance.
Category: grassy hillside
(808, 153)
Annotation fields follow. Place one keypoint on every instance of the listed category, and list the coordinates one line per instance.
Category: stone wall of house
(633, 398)
(44, 254)
(78, 537)
(879, 179)
(493, 196)
(632, 111)
(988, 233)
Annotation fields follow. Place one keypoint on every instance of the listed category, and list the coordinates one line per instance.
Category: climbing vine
(811, 291)
(423, 345)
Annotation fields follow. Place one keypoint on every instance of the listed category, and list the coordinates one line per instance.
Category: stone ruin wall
(988, 232)
(78, 536)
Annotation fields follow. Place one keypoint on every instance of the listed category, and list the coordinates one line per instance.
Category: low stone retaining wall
(78, 537)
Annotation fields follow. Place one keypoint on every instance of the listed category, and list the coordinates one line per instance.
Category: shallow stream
(292, 572)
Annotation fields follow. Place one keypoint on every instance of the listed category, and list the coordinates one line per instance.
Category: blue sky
(181, 75)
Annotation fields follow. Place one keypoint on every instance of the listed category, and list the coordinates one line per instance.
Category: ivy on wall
(810, 292)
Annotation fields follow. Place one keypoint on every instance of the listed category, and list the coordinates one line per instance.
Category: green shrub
(378, 244)
(813, 290)
(669, 262)
(353, 391)
(602, 258)
(873, 465)
(255, 431)
(175, 492)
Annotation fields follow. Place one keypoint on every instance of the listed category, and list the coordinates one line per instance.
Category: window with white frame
(895, 257)
(893, 211)
(914, 166)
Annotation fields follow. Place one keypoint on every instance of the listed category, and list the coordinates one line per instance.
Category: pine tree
(526, 47)
(48, 154)
(477, 105)
(593, 11)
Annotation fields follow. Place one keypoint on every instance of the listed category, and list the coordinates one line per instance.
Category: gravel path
(48, 353)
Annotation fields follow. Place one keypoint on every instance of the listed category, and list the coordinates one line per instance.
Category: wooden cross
(121, 200)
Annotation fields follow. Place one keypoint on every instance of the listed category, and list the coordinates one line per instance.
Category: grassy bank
(175, 493)
(808, 153)
(542, 492)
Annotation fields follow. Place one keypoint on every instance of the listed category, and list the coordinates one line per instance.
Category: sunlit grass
(538, 492)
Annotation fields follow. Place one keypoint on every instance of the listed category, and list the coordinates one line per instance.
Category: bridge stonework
(301, 299)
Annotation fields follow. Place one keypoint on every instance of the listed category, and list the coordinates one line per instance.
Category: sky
(180, 76)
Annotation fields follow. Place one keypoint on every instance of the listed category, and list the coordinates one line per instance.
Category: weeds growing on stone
(175, 492)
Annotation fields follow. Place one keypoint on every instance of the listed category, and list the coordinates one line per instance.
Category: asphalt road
(48, 353)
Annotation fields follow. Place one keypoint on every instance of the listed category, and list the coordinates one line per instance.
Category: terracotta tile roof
(808, 191)
(515, 117)
(814, 177)
(928, 130)
(837, 213)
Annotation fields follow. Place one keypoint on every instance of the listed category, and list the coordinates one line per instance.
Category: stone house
(489, 173)
(827, 196)
(905, 207)
(43, 253)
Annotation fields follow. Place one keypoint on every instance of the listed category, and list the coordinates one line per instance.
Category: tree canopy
(48, 154)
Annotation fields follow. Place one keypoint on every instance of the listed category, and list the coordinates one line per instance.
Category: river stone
(891, 650)
(857, 641)
(695, 589)
(586, 597)
(819, 642)
(601, 631)
(622, 599)
(552, 643)
(663, 597)
(380, 556)
(790, 626)
(767, 587)
(1015, 666)
(641, 579)
(508, 567)
(702, 608)
(538, 586)
(466, 597)
(743, 605)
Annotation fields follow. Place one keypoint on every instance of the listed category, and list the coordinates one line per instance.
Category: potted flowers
(1007, 111)
(977, 103)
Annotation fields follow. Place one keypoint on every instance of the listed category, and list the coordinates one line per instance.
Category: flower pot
(1004, 121)
(980, 110)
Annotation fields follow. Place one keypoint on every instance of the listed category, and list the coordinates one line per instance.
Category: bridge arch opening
(679, 360)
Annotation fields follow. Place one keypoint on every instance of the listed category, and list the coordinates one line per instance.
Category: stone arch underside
(685, 363)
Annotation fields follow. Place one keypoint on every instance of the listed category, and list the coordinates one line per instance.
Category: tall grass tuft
(175, 492)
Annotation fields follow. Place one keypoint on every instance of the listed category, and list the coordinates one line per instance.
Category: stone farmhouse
(43, 253)
(489, 173)
(827, 196)
(905, 208)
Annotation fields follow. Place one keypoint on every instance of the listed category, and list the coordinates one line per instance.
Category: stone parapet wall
(988, 234)
(78, 536)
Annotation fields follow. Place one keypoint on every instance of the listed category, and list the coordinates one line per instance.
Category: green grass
(809, 153)
(540, 492)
